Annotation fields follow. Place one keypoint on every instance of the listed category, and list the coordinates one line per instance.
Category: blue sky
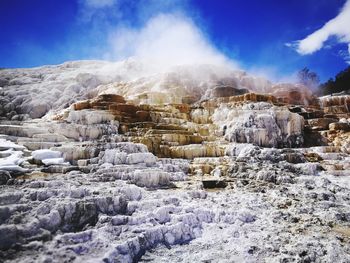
(253, 33)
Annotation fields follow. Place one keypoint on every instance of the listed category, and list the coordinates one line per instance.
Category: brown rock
(312, 114)
(294, 94)
(143, 116)
(330, 101)
(336, 109)
(254, 97)
(312, 157)
(82, 105)
(111, 98)
(183, 108)
(339, 126)
(124, 108)
(226, 91)
(320, 123)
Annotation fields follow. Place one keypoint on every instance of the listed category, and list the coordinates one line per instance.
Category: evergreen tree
(339, 84)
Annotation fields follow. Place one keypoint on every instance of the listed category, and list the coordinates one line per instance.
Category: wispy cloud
(338, 27)
(90, 10)
(99, 3)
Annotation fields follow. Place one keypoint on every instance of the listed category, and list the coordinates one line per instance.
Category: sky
(269, 38)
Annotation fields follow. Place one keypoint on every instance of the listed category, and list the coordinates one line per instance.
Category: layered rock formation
(261, 124)
(196, 164)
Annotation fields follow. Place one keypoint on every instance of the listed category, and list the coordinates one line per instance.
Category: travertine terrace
(197, 164)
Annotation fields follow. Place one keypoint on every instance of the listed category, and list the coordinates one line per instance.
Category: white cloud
(338, 27)
(166, 40)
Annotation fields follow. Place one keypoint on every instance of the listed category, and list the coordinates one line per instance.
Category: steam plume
(167, 40)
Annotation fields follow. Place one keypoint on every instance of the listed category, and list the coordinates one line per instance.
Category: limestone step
(197, 150)
(171, 127)
(167, 131)
(21, 131)
(172, 121)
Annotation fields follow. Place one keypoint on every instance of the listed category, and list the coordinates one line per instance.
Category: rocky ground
(152, 169)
